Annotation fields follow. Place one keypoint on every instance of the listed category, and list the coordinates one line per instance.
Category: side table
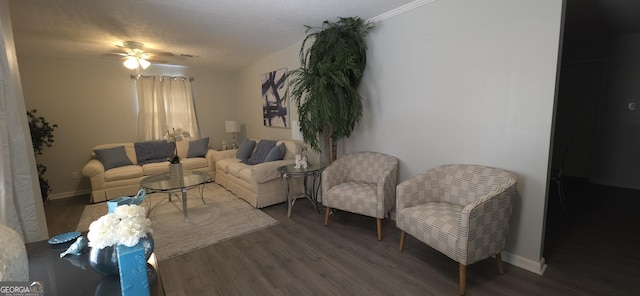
(312, 171)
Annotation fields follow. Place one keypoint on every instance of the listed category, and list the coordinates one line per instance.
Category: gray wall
(456, 82)
(94, 102)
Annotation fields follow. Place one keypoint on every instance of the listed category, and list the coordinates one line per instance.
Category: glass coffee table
(166, 183)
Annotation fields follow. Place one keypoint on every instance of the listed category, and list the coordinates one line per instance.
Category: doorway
(576, 116)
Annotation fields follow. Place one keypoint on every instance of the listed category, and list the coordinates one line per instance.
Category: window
(165, 103)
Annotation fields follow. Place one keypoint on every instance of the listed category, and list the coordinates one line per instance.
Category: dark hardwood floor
(591, 249)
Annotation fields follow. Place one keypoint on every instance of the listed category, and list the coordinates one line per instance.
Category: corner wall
(457, 82)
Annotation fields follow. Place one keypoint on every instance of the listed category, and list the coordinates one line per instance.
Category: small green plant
(41, 138)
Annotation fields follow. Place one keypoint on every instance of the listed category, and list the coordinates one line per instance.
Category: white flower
(177, 135)
(125, 226)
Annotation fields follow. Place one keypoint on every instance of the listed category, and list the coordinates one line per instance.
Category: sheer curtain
(20, 199)
(165, 103)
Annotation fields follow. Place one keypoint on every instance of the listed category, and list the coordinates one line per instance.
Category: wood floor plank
(589, 251)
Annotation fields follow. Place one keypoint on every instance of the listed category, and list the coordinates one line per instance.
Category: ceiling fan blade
(154, 52)
(119, 54)
(156, 60)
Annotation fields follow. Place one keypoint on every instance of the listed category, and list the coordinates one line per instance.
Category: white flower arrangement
(125, 226)
(177, 135)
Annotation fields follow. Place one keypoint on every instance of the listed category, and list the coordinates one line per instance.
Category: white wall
(458, 82)
(94, 102)
(250, 96)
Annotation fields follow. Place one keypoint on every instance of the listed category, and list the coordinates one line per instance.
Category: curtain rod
(171, 77)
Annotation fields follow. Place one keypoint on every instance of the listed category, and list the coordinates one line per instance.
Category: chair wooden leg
(326, 216)
(402, 236)
(463, 279)
(500, 265)
(379, 226)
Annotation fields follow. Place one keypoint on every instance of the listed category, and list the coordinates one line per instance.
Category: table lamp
(232, 126)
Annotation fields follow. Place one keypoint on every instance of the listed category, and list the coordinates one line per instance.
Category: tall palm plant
(325, 87)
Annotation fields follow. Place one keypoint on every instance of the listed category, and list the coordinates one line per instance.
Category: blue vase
(133, 270)
(105, 260)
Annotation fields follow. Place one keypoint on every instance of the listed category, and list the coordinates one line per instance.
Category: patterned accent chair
(460, 210)
(362, 183)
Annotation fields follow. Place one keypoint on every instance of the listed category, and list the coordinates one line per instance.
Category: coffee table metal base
(163, 183)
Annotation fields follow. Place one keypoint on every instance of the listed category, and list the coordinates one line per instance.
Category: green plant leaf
(324, 88)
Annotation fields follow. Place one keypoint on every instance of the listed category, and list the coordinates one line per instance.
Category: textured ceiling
(226, 34)
(231, 34)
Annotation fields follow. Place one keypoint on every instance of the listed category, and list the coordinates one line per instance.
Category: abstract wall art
(274, 103)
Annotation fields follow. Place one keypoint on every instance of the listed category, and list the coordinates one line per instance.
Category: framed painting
(275, 107)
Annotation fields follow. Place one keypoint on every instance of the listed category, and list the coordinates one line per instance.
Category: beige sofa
(261, 185)
(125, 180)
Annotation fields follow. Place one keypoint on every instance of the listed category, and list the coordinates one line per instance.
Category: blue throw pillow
(261, 152)
(276, 153)
(245, 149)
(198, 148)
(153, 151)
(113, 157)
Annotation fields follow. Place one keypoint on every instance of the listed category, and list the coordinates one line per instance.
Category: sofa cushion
(261, 152)
(235, 168)
(193, 163)
(113, 157)
(291, 148)
(245, 149)
(153, 151)
(222, 165)
(245, 175)
(123, 173)
(155, 168)
(198, 148)
(276, 153)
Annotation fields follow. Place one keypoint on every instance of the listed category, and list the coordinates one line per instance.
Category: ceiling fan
(135, 55)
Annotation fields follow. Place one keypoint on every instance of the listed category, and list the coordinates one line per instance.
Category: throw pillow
(113, 157)
(153, 151)
(276, 153)
(261, 152)
(245, 149)
(198, 148)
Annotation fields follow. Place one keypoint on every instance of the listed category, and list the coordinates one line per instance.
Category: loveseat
(116, 170)
(260, 184)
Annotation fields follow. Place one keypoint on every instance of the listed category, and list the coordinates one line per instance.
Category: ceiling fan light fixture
(131, 63)
(144, 63)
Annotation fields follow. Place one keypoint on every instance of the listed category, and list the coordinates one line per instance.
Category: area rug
(222, 216)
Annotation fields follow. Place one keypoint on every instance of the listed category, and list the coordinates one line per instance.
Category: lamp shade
(232, 126)
(131, 63)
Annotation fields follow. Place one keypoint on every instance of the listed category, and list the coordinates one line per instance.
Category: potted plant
(41, 137)
(325, 87)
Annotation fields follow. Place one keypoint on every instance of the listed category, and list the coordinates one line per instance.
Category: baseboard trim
(524, 263)
(67, 194)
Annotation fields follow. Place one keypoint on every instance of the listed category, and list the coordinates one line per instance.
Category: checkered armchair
(362, 183)
(460, 210)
